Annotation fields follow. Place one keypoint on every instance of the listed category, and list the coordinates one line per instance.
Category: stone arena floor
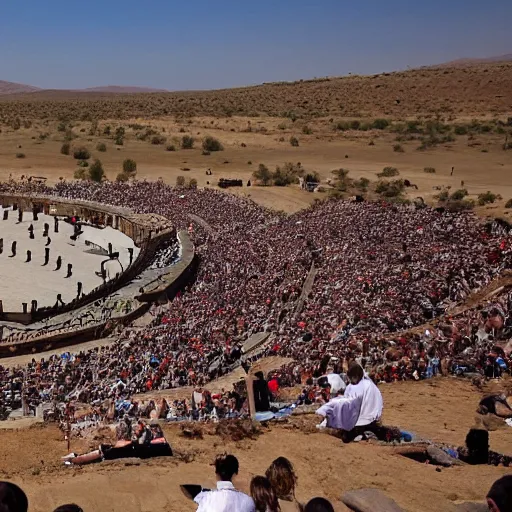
(22, 282)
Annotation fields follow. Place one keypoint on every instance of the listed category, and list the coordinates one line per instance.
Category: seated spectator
(283, 479)
(499, 497)
(225, 498)
(370, 412)
(12, 498)
(69, 507)
(318, 505)
(264, 495)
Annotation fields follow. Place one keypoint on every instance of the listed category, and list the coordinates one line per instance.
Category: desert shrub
(136, 126)
(187, 142)
(101, 147)
(371, 143)
(487, 197)
(263, 175)
(43, 136)
(507, 145)
(364, 127)
(281, 126)
(94, 127)
(96, 172)
(342, 126)
(294, 141)
(413, 127)
(83, 163)
(460, 129)
(81, 154)
(120, 131)
(442, 196)
(380, 124)
(80, 174)
(122, 177)
(107, 130)
(508, 204)
(180, 181)
(281, 177)
(61, 127)
(20, 155)
(390, 189)
(355, 125)
(65, 148)
(459, 194)
(429, 170)
(170, 147)
(156, 140)
(362, 183)
(119, 140)
(192, 183)
(306, 130)
(130, 166)
(212, 144)
(388, 172)
(397, 148)
(460, 205)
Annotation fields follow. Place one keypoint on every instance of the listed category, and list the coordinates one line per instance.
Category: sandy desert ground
(255, 127)
(440, 410)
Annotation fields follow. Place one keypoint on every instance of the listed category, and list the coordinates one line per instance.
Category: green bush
(342, 126)
(508, 204)
(487, 197)
(119, 140)
(442, 196)
(460, 206)
(380, 124)
(130, 166)
(458, 195)
(192, 183)
(460, 129)
(263, 175)
(65, 148)
(120, 131)
(362, 183)
(96, 172)
(170, 147)
(61, 127)
(80, 174)
(389, 189)
(281, 177)
(355, 125)
(122, 177)
(397, 148)
(306, 130)
(294, 141)
(101, 147)
(180, 181)
(212, 144)
(429, 170)
(187, 142)
(156, 140)
(107, 130)
(388, 172)
(81, 154)
(83, 163)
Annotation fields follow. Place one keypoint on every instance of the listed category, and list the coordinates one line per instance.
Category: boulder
(369, 500)
(441, 458)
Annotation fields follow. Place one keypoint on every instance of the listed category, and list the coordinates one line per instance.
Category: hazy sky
(203, 44)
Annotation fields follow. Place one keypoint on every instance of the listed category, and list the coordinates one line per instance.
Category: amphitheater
(111, 281)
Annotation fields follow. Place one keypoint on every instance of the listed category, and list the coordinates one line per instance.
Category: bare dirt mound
(440, 410)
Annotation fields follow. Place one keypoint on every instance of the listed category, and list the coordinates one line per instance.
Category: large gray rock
(441, 458)
(369, 500)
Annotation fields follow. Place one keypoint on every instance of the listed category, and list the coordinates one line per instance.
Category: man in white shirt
(225, 498)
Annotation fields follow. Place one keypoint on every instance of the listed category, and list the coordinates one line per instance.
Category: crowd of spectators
(381, 269)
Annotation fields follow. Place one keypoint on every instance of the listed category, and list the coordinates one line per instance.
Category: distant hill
(121, 89)
(467, 62)
(14, 88)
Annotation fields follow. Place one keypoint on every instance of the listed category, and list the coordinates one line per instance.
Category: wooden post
(249, 383)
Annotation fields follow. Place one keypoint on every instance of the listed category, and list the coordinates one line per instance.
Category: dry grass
(476, 90)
